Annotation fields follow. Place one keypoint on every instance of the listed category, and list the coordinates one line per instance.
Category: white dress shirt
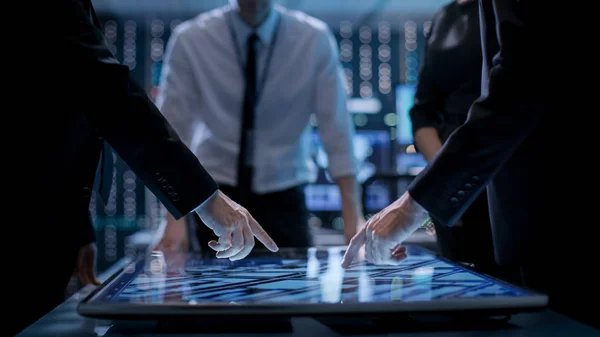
(202, 89)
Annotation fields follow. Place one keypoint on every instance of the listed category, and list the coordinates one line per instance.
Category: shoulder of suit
(203, 23)
(302, 22)
(440, 16)
(442, 11)
(453, 7)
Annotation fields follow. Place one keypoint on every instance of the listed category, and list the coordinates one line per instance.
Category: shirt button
(468, 186)
(475, 179)
(454, 200)
(460, 194)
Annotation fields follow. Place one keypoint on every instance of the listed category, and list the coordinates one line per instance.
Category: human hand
(85, 265)
(234, 226)
(385, 231)
(174, 238)
(352, 227)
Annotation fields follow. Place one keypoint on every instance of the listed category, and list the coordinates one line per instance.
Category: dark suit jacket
(93, 98)
(525, 139)
(511, 139)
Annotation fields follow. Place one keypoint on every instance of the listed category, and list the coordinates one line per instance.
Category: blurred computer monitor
(410, 163)
(408, 160)
(405, 94)
(373, 151)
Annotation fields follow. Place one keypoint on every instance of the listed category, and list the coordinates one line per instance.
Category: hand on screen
(385, 231)
(85, 265)
(351, 229)
(234, 226)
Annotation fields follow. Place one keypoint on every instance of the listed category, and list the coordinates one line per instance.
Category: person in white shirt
(239, 85)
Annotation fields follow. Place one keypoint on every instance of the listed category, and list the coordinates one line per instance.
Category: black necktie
(245, 170)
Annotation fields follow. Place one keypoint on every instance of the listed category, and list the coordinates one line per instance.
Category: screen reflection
(296, 276)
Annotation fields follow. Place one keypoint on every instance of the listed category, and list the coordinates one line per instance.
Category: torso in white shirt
(282, 141)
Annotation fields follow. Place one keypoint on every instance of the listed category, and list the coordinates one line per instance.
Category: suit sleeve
(428, 99)
(124, 115)
(498, 122)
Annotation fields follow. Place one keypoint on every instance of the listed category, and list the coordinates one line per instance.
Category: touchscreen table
(307, 281)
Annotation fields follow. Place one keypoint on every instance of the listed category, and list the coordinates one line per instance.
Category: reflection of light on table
(157, 267)
(423, 272)
(157, 263)
(421, 280)
(130, 268)
(312, 264)
(153, 279)
(365, 287)
(143, 282)
(396, 289)
(365, 283)
(186, 292)
(156, 292)
(331, 280)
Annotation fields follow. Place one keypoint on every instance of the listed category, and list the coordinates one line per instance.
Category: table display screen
(306, 276)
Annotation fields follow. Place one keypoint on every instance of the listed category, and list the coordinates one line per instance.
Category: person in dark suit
(94, 100)
(449, 82)
(509, 145)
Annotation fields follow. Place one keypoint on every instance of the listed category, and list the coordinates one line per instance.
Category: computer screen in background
(408, 161)
(373, 150)
(405, 94)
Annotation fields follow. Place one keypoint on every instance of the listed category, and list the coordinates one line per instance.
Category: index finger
(261, 234)
(357, 241)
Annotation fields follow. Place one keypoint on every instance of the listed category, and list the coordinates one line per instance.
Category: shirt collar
(265, 31)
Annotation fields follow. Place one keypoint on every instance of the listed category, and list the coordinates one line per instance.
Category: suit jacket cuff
(185, 189)
(446, 196)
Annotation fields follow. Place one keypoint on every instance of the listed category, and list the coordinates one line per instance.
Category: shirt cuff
(204, 202)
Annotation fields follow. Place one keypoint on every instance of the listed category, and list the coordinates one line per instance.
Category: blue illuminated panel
(404, 102)
(373, 150)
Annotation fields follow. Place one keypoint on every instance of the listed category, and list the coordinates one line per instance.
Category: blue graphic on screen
(314, 276)
(405, 95)
(373, 151)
